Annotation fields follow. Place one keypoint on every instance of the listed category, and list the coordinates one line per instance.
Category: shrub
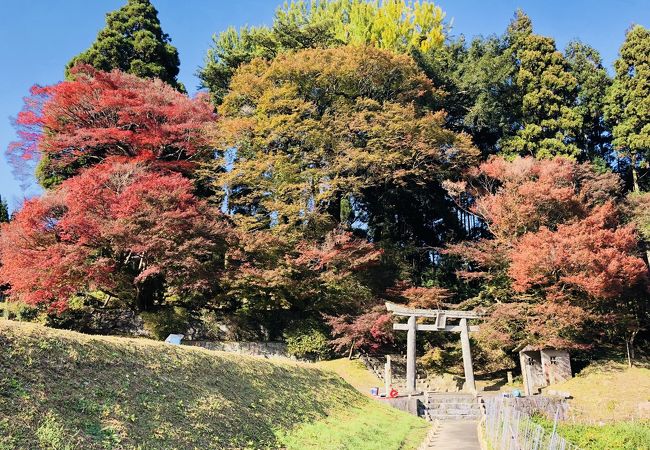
(16, 310)
(162, 323)
(307, 340)
(442, 359)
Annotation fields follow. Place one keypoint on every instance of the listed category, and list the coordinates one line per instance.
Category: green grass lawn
(604, 407)
(628, 435)
(65, 390)
(354, 372)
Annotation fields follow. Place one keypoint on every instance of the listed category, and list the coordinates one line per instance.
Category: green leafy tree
(628, 101)
(549, 122)
(4, 211)
(637, 209)
(341, 137)
(594, 138)
(483, 100)
(397, 25)
(133, 42)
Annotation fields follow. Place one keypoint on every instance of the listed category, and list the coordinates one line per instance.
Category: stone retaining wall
(425, 382)
(549, 406)
(263, 349)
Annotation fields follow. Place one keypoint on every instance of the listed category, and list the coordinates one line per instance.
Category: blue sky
(38, 37)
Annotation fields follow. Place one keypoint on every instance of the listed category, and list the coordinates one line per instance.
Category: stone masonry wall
(264, 349)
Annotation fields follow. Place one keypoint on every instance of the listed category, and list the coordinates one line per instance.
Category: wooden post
(467, 356)
(525, 373)
(410, 357)
(388, 375)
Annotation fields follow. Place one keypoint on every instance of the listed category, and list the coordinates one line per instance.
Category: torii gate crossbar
(440, 316)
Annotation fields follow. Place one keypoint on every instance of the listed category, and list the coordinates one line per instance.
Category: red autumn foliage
(340, 252)
(559, 262)
(553, 323)
(515, 197)
(120, 228)
(368, 332)
(97, 114)
(489, 257)
(274, 272)
(591, 256)
(431, 297)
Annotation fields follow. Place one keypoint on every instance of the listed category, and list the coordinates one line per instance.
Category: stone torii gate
(440, 316)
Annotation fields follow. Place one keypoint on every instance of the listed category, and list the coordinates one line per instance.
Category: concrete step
(475, 406)
(459, 412)
(442, 417)
(450, 406)
(451, 398)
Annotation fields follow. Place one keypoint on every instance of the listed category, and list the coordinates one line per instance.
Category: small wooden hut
(541, 367)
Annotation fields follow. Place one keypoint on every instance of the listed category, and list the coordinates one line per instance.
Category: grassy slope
(607, 392)
(63, 390)
(631, 435)
(354, 372)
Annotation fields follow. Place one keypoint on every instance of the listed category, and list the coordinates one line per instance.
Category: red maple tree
(119, 227)
(96, 115)
(558, 261)
(368, 332)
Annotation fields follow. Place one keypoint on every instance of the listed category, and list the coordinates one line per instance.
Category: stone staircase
(451, 406)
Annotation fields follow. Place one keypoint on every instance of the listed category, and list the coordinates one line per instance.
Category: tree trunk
(143, 298)
(146, 293)
(629, 357)
(629, 344)
(635, 174)
(351, 350)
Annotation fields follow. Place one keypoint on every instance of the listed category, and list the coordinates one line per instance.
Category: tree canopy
(549, 123)
(345, 137)
(351, 153)
(594, 138)
(558, 253)
(133, 42)
(95, 115)
(121, 228)
(627, 104)
(390, 24)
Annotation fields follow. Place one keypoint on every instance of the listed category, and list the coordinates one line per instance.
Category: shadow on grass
(156, 396)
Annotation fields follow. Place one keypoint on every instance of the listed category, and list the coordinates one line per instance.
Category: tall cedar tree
(549, 122)
(628, 104)
(340, 137)
(395, 25)
(489, 101)
(4, 210)
(500, 88)
(123, 228)
(594, 138)
(558, 255)
(638, 211)
(95, 115)
(133, 42)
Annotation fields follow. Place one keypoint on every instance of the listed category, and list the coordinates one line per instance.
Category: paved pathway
(456, 435)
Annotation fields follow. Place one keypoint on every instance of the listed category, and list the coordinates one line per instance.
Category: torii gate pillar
(410, 356)
(440, 316)
(467, 356)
